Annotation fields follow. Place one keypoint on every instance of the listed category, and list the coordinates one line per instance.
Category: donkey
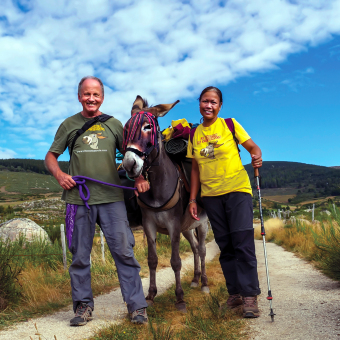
(165, 206)
(209, 150)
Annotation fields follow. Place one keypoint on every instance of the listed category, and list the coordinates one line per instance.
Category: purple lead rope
(80, 180)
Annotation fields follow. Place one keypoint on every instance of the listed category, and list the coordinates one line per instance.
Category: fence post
(313, 212)
(102, 243)
(63, 244)
(279, 214)
(334, 209)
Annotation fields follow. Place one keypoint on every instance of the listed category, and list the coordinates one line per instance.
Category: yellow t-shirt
(220, 167)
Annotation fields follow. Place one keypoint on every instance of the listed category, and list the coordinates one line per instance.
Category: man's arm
(51, 163)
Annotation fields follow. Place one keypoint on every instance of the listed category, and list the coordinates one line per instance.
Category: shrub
(328, 241)
(10, 269)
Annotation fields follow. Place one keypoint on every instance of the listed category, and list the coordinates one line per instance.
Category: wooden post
(334, 209)
(279, 214)
(102, 243)
(313, 212)
(63, 244)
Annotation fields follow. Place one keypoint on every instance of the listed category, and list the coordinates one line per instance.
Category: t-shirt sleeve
(240, 132)
(190, 149)
(60, 141)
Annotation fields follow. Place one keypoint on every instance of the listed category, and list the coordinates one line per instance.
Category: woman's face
(210, 106)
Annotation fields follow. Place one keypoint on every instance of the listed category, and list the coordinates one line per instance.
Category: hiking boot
(233, 301)
(250, 307)
(139, 316)
(82, 316)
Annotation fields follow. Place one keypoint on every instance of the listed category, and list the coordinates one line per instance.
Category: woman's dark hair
(211, 88)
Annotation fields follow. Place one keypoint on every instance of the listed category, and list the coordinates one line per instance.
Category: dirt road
(108, 308)
(306, 303)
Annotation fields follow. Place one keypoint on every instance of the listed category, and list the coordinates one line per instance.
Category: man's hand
(51, 163)
(256, 161)
(141, 184)
(65, 180)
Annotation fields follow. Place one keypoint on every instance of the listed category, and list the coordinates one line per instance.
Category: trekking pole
(263, 233)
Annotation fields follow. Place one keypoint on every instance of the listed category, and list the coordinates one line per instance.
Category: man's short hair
(90, 77)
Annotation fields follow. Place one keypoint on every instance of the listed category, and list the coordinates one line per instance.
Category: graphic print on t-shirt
(209, 151)
(93, 139)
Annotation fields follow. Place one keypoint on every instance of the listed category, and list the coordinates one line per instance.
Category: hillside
(20, 186)
(27, 165)
(306, 181)
(293, 182)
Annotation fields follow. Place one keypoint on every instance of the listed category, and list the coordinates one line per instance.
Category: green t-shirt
(94, 156)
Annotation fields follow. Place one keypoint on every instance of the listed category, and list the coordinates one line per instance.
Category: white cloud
(161, 50)
(7, 153)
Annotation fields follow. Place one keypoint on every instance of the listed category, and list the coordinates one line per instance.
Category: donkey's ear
(162, 109)
(137, 105)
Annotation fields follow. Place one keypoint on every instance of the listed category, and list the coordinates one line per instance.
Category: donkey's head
(141, 135)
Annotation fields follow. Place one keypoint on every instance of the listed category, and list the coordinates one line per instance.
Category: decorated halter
(130, 130)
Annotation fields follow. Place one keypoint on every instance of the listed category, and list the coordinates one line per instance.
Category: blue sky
(277, 64)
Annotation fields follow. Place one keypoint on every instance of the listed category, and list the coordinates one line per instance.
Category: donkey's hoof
(205, 289)
(181, 306)
(194, 284)
(149, 302)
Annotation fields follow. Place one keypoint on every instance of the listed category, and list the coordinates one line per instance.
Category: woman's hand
(255, 153)
(193, 211)
(141, 184)
(256, 161)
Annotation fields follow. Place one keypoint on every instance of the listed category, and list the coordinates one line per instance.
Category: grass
(42, 286)
(318, 242)
(204, 320)
(28, 183)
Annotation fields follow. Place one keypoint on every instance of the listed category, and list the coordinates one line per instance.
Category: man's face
(91, 97)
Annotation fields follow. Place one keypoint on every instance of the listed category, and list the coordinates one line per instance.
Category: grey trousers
(112, 219)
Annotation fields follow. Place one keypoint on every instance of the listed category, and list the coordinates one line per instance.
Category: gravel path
(108, 308)
(306, 303)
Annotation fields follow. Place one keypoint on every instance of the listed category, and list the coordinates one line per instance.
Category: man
(93, 156)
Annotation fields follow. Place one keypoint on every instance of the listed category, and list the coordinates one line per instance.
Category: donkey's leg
(189, 235)
(176, 264)
(202, 234)
(151, 234)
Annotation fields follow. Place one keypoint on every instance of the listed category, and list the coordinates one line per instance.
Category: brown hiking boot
(250, 307)
(233, 301)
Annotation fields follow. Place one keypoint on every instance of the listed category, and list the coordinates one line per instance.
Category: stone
(13, 228)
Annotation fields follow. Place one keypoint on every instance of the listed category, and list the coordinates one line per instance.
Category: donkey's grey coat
(163, 179)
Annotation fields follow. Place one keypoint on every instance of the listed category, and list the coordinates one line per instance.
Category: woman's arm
(195, 185)
(255, 153)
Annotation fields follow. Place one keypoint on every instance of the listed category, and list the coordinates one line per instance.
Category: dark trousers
(113, 221)
(231, 218)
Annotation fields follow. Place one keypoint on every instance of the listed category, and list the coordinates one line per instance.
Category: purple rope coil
(80, 181)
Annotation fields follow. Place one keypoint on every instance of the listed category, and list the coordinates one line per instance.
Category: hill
(307, 181)
(21, 186)
(28, 165)
(288, 181)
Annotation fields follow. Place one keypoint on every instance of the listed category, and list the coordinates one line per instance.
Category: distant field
(279, 199)
(279, 195)
(27, 183)
(278, 192)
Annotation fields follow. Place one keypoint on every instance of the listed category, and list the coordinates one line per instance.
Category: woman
(227, 198)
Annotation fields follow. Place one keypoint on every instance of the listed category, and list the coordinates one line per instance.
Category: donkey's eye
(146, 127)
